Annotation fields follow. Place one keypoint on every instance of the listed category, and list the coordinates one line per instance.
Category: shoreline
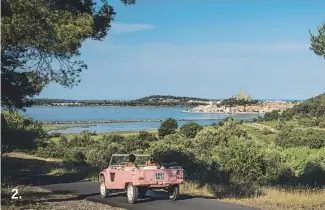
(224, 112)
(82, 122)
(116, 106)
(92, 122)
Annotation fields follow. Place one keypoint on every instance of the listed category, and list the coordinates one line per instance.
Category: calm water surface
(123, 113)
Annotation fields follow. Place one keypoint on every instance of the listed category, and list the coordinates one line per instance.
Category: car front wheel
(131, 193)
(173, 192)
(103, 190)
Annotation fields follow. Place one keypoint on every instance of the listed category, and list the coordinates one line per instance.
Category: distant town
(243, 103)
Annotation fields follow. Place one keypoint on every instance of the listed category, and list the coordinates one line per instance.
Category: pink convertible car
(137, 180)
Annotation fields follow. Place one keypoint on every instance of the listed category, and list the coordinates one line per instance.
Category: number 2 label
(14, 196)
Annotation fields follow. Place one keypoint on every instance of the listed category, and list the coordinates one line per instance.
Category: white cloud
(122, 28)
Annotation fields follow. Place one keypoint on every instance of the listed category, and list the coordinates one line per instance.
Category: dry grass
(28, 156)
(61, 171)
(191, 188)
(39, 198)
(272, 198)
(275, 198)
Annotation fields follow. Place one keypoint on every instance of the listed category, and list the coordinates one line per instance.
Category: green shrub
(165, 153)
(79, 141)
(274, 115)
(314, 173)
(50, 151)
(307, 165)
(281, 125)
(19, 133)
(190, 129)
(146, 136)
(132, 143)
(97, 157)
(289, 137)
(167, 127)
(316, 142)
(308, 122)
(63, 140)
(267, 131)
(76, 156)
(240, 122)
(113, 138)
(321, 124)
(243, 159)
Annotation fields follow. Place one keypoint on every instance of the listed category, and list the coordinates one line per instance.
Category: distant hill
(154, 100)
(169, 99)
(314, 107)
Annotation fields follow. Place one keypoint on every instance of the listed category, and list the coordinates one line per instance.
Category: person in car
(131, 162)
(151, 162)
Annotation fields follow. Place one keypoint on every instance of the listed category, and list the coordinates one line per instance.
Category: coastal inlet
(106, 119)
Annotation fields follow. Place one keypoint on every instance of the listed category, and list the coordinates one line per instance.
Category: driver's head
(151, 158)
(131, 158)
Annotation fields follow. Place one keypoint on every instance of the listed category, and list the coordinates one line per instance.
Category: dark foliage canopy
(40, 42)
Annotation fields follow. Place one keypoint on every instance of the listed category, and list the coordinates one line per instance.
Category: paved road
(153, 200)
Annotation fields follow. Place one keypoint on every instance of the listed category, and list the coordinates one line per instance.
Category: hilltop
(158, 100)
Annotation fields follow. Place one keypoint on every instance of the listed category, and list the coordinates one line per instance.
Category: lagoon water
(123, 113)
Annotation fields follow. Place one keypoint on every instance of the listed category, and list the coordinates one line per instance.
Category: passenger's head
(132, 158)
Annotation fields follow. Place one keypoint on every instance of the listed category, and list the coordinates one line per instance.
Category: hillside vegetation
(310, 108)
(154, 100)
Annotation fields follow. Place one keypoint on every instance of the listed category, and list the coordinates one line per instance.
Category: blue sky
(207, 48)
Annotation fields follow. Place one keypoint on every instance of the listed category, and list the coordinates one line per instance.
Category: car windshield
(121, 159)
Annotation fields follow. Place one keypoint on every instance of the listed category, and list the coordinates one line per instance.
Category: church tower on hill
(243, 96)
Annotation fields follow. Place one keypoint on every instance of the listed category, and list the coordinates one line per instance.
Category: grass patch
(274, 123)
(272, 198)
(252, 131)
(61, 171)
(191, 188)
(262, 134)
(278, 198)
(29, 157)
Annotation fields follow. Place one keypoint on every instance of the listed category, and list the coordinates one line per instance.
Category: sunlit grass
(277, 198)
(61, 171)
(272, 198)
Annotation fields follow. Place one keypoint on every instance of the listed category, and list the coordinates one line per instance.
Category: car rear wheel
(173, 192)
(103, 191)
(131, 193)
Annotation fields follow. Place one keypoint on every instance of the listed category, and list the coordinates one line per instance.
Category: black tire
(173, 192)
(102, 189)
(131, 193)
(142, 191)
